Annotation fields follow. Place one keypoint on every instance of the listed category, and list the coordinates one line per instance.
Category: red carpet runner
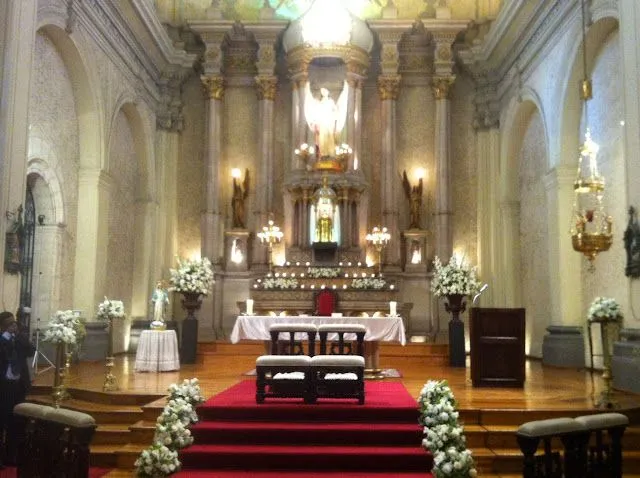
(286, 438)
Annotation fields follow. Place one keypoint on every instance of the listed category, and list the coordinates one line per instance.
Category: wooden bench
(337, 376)
(296, 384)
(291, 345)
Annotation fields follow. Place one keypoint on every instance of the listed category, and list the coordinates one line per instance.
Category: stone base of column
(563, 347)
(625, 366)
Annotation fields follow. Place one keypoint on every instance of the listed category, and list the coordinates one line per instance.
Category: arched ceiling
(179, 11)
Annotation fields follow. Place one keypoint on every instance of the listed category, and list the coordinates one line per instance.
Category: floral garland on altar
(368, 283)
(443, 435)
(172, 431)
(323, 272)
(192, 276)
(280, 283)
(455, 278)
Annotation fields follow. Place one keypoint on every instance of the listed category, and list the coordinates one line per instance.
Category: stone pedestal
(625, 363)
(415, 250)
(563, 347)
(236, 250)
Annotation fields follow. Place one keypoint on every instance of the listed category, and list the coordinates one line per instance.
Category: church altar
(379, 329)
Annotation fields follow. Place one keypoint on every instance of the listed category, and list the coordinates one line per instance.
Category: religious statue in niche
(240, 193)
(414, 195)
(632, 245)
(326, 118)
(14, 242)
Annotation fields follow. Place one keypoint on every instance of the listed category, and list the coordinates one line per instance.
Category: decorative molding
(442, 87)
(213, 86)
(267, 87)
(389, 87)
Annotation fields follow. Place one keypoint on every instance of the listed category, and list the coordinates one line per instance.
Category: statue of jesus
(326, 118)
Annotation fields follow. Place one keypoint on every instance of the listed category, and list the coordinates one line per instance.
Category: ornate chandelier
(591, 226)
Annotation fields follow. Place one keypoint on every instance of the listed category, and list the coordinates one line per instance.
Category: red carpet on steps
(286, 438)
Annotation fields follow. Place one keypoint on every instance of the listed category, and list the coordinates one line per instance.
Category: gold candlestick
(110, 381)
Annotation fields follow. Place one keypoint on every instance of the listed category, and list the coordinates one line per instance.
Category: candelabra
(379, 238)
(270, 235)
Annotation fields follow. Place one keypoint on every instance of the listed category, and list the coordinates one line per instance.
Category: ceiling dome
(326, 24)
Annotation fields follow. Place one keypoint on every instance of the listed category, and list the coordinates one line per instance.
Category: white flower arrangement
(280, 283)
(457, 277)
(189, 390)
(443, 435)
(172, 432)
(157, 460)
(368, 283)
(181, 409)
(604, 308)
(110, 309)
(323, 272)
(192, 276)
(63, 328)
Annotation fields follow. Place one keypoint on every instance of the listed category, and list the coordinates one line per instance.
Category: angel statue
(326, 118)
(414, 195)
(240, 193)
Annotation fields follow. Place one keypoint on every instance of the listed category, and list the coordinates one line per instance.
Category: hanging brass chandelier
(591, 226)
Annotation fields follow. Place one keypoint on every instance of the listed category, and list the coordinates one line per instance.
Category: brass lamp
(590, 226)
(270, 235)
(379, 237)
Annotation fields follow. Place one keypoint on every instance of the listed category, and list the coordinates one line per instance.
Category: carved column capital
(389, 87)
(213, 86)
(442, 87)
(443, 60)
(266, 86)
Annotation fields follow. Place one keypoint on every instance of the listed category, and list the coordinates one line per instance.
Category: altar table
(379, 329)
(157, 351)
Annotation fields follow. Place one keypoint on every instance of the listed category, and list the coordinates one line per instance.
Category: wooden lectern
(497, 347)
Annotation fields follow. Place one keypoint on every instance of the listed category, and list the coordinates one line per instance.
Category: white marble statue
(326, 118)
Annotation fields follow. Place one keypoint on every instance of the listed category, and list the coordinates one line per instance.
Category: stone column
(94, 187)
(389, 88)
(266, 89)
(510, 227)
(343, 201)
(212, 221)
(18, 24)
(488, 161)
(443, 234)
(355, 79)
(299, 128)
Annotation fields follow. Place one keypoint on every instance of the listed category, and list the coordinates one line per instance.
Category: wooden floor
(548, 392)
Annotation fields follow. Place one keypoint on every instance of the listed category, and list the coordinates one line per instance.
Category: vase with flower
(193, 278)
(455, 281)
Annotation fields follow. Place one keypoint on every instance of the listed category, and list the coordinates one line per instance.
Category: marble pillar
(442, 221)
(18, 25)
(266, 87)
(388, 89)
(354, 116)
(94, 187)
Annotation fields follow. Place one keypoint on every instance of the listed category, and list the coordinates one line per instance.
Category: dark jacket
(16, 351)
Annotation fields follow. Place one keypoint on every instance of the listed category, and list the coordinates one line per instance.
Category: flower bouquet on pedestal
(107, 311)
(455, 281)
(63, 332)
(192, 278)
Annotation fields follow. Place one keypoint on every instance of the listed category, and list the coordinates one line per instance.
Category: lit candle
(249, 306)
(393, 308)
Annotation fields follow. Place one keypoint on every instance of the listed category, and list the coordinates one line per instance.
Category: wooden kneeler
(331, 377)
(267, 385)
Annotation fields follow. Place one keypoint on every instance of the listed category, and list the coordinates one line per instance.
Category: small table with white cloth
(157, 351)
(385, 329)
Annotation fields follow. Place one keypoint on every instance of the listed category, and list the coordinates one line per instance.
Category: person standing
(14, 380)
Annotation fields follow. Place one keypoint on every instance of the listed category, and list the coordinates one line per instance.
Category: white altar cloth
(157, 351)
(379, 329)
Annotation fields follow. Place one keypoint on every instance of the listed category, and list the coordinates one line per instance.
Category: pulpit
(497, 347)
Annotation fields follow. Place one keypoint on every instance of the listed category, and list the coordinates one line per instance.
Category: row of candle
(293, 274)
(324, 286)
(359, 264)
(393, 307)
